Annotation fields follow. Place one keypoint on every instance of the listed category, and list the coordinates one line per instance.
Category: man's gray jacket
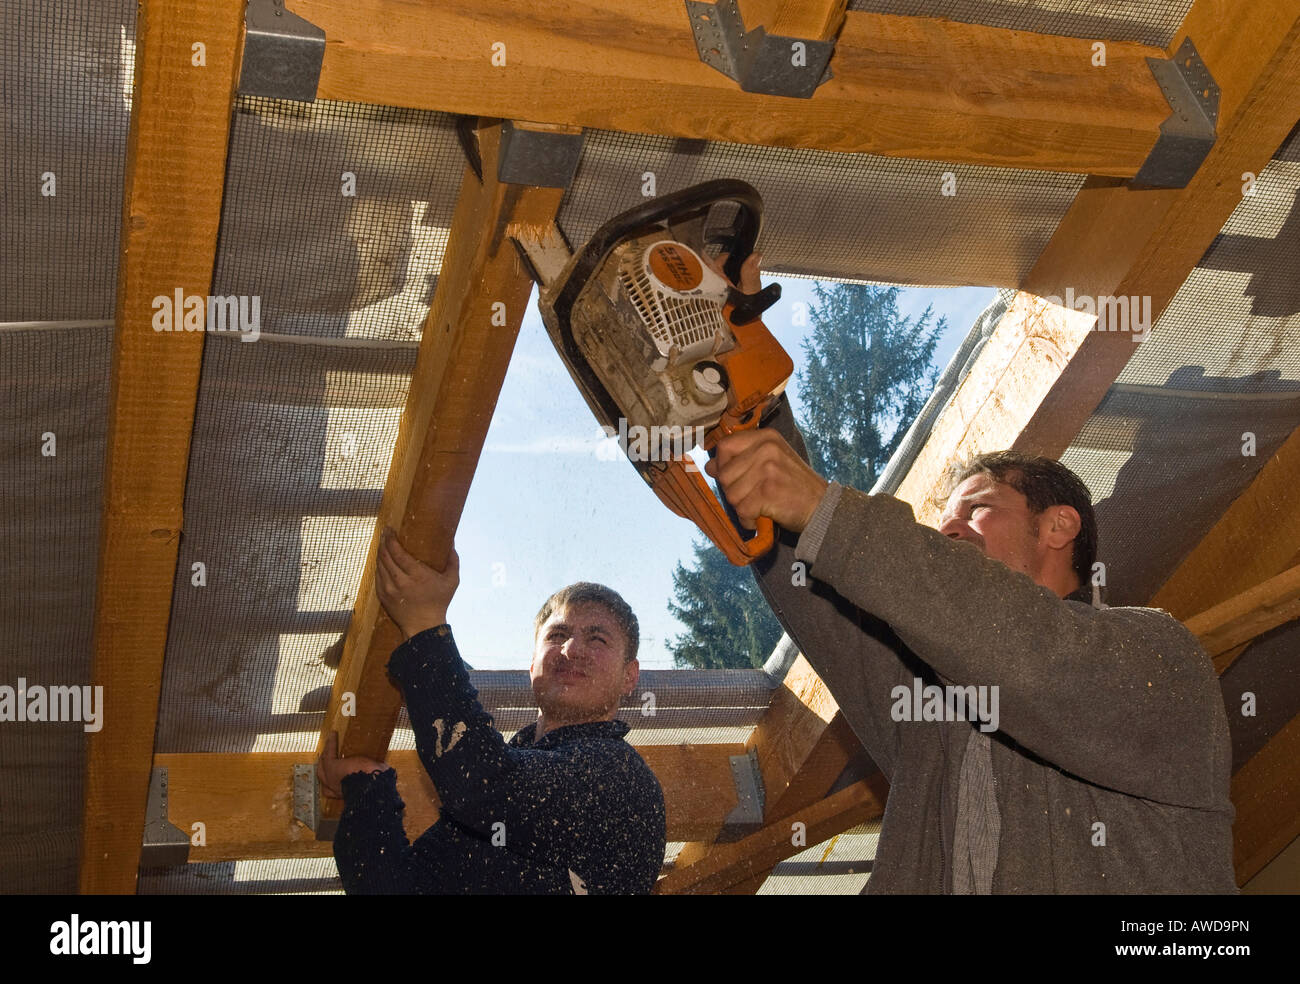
(1110, 764)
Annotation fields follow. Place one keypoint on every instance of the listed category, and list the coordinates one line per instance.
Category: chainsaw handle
(682, 489)
(665, 210)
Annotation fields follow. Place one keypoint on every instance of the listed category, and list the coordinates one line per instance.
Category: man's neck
(545, 723)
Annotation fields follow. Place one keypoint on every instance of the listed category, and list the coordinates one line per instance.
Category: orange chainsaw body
(656, 339)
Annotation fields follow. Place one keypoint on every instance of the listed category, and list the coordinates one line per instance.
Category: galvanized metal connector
(765, 63)
(1191, 130)
(164, 843)
(307, 805)
(282, 53)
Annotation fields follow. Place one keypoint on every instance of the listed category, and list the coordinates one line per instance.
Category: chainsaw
(668, 354)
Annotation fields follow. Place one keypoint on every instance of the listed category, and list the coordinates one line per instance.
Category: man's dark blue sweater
(577, 811)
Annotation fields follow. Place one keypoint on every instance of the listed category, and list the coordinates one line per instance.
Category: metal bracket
(537, 156)
(766, 63)
(306, 803)
(750, 798)
(164, 843)
(282, 53)
(1190, 131)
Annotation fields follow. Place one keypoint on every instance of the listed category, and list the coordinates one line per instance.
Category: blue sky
(544, 510)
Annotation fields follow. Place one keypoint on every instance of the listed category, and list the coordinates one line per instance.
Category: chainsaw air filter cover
(650, 326)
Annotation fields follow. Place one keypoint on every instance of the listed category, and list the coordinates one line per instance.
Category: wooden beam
(902, 86)
(1119, 241)
(812, 20)
(175, 171)
(1258, 536)
(1013, 375)
(245, 801)
(1266, 793)
(478, 305)
(1249, 615)
(730, 864)
(802, 743)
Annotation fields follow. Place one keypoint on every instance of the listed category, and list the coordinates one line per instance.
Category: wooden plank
(1021, 362)
(462, 361)
(1266, 793)
(813, 20)
(245, 801)
(802, 743)
(1249, 614)
(1118, 241)
(1258, 536)
(902, 86)
(175, 170)
(730, 864)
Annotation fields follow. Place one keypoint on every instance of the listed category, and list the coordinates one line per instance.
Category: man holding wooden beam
(567, 807)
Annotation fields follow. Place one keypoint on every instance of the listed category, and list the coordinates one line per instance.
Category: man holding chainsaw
(1107, 767)
(567, 807)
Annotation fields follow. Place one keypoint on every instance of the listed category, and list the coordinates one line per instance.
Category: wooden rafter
(171, 211)
(802, 743)
(1118, 241)
(245, 801)
(1250, 614)
(478, 305)
(902, 86)
(742, 861)
(1266, 793)
(1256, 538)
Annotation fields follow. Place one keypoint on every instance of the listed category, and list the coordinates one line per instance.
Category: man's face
(579, 672)
(997, 519)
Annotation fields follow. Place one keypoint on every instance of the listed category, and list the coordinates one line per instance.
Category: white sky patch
(593, 445)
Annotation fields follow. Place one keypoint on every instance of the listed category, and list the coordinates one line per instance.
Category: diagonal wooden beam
(902, 86)
(729, 864)
(1119, 241)
(802, 743)
(1266, 793)
(175, 170)
(245, 801)
(1250, 614)
(478, 305)
(1257, 537)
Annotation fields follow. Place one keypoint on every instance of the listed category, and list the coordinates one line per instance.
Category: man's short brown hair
(587, 592)
(1043, 482)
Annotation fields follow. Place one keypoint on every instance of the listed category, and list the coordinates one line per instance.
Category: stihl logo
(676, 267)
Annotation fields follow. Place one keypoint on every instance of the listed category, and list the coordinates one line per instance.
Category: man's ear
(631, 672)
(1063, 527)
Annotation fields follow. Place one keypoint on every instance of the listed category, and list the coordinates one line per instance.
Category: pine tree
(869, 371)
(728, 622)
